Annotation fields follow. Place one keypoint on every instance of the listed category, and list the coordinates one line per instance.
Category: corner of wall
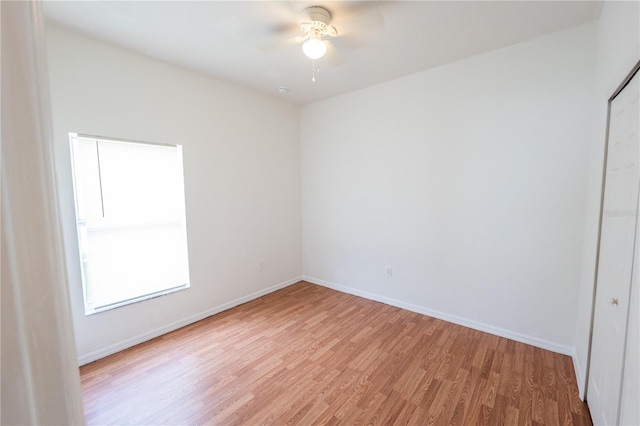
(465, 322)
(167, 328)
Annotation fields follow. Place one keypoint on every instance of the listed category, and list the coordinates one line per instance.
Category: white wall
(242, 179)
(469, 180)
(618, 49)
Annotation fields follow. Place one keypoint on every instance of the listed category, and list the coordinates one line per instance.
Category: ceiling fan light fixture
(314, 48)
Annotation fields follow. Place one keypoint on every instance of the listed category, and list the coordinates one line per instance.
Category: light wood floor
(309, 355)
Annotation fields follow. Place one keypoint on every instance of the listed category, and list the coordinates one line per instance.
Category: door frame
(635, 70)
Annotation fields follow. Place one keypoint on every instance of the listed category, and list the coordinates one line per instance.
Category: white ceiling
(235, 40)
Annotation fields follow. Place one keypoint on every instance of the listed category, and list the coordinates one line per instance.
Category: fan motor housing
(318, 14)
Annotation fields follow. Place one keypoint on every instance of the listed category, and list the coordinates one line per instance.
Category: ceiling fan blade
(270, 20)
(279, 35)
(284, 30)
(283, 27)
(352, 41)
(333, 56)
(277, 43)
(359, 18)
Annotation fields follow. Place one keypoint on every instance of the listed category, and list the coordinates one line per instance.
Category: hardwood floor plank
(489, 393)
(405, 415)
(392, 409)
(551, 417)
(537, 409)
(374, 410)
(505, 375)
(475, 405)
(462, 404)
(498, 414)
(527, 392)
(437, 408)
(457, 388)
(418, 416)
(309, 355)
(564, 411)
(512, 414)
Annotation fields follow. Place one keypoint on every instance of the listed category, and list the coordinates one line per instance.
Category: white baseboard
(580, 377)
(117, 347)
(519, 337)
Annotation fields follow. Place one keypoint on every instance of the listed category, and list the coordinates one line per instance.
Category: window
(130, 215)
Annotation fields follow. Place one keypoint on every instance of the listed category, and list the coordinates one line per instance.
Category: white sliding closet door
(630, 406)
(616, 259)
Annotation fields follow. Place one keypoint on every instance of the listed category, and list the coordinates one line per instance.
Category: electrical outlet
(389, 271)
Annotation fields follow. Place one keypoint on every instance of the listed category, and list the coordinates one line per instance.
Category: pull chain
(313, 70)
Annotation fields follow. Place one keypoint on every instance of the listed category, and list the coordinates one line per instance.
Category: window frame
(90, 310)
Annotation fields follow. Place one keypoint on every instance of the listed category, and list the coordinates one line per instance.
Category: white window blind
(131, 220)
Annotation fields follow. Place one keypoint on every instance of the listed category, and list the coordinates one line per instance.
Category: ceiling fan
(316, 25)
(312, 43)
